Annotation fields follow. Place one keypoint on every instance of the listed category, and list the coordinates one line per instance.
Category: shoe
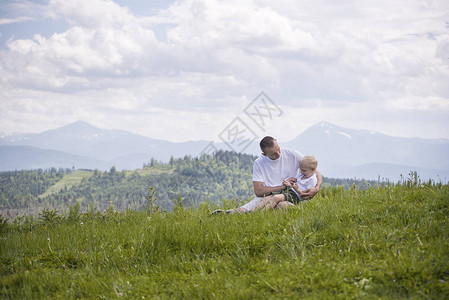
(218, 211)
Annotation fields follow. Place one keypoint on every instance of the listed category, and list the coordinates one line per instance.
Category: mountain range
(90, 147)
(349, 153)
(341, 152)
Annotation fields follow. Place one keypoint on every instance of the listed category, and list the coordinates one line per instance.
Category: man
(269, 172)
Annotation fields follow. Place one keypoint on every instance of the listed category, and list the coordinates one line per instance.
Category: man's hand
(309, 193)
(287, 183)
(292, 180)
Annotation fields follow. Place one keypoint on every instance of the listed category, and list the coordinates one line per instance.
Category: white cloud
(381, 47)
(92, 14)
(423, 104)
(6, 21)
(81, 50)
(203, 61)
(234, 24)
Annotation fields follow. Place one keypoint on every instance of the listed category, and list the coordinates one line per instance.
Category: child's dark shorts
(290, 195)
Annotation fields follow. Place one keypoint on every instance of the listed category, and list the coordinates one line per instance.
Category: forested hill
(189, 181)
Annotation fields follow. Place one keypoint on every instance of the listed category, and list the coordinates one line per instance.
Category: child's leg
(284, 204)
(272, 204)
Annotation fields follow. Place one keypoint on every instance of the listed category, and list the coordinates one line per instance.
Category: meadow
(382, 242)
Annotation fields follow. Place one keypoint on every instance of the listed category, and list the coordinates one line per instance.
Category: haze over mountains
(341, 152)
(93, 148)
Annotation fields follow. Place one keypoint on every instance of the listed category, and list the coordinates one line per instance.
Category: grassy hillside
(68, 181)
(386, 242)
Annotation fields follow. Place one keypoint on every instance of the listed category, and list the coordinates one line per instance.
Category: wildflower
(81, 223)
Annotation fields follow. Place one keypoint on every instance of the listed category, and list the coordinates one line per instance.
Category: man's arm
(260, 190)
(310, 193)
(319, 180)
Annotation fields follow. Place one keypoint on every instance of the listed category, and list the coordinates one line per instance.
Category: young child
(307, 178)
(295, 186)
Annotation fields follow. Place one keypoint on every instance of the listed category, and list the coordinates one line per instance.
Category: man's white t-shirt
(273, 172)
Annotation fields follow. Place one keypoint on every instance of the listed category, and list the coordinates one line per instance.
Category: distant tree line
(21, 188)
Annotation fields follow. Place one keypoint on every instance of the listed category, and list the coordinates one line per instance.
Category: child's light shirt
(305, 183)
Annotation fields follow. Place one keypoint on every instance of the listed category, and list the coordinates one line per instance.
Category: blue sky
(184, 70)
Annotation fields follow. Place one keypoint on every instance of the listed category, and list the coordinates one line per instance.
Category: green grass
(67, 181)
(383, 243)
(154, 170)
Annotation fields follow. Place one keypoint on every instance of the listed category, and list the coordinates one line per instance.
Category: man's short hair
(267, 142)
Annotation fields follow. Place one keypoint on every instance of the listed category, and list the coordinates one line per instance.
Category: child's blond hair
(309, 162)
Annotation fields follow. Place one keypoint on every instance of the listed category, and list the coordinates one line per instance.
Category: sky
(192, 69)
